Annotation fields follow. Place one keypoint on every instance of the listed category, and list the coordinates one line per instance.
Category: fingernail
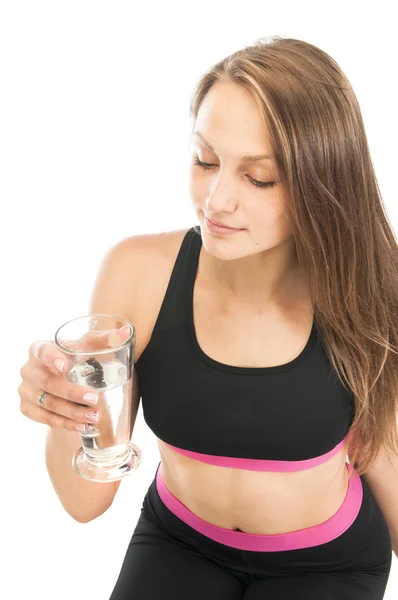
(81, 427)
(90, 398)
(59, 364)
(91, 415)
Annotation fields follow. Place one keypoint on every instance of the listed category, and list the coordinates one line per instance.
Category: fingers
(66, 404)
(42, 379)
(46, 353)
(98, 339)
(41, 415)
(57, 412)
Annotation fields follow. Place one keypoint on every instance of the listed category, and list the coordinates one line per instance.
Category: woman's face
(227, 191)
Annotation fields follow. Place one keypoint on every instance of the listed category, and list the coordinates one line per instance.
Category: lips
(222, 225)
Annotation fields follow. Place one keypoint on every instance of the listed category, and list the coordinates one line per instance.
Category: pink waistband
(257, 464)
(302, 538)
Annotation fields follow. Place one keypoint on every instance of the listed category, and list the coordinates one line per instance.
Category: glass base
(104, 472)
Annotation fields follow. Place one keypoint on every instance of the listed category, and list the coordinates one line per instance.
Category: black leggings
(166, 559)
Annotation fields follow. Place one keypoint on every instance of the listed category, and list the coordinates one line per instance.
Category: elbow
(82, 519)
(88, 517)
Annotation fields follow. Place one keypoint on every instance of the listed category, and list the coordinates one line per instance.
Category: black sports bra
(281, 418)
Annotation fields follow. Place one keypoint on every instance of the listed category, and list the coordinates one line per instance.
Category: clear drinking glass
(100, 349)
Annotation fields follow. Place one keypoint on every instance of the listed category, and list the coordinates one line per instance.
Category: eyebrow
(246, 158)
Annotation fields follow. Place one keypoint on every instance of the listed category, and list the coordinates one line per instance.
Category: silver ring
(41, 399)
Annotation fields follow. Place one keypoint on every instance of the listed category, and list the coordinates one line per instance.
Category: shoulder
(135, 254)
(136, 272)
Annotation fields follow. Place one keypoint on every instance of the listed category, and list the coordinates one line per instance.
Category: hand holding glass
(100, 349)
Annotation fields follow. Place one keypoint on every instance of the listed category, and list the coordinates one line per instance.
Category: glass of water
(100, 349)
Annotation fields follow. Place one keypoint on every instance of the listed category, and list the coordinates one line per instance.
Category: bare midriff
(257, 502)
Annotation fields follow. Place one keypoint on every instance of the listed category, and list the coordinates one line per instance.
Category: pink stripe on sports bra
(257, 464)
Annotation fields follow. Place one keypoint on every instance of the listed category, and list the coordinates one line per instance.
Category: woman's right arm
(119, 274)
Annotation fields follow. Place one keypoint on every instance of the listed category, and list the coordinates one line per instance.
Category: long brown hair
(343, 240)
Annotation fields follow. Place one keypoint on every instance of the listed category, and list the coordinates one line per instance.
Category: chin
(220, 248)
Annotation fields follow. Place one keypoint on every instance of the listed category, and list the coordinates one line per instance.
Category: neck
(261, 281)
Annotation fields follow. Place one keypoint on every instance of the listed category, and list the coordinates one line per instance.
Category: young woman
(266, 351)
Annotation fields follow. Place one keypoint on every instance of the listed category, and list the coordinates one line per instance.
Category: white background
(94, 128)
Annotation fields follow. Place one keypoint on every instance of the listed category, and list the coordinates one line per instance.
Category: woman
(265, 352)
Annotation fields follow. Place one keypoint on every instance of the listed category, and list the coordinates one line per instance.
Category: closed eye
(255, 182)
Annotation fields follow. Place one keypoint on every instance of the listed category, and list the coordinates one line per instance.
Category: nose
(222, 198)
